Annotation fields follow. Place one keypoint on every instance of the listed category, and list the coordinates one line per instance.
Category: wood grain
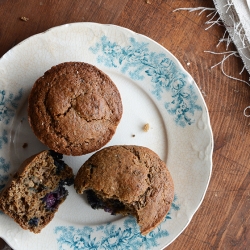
(223, 220)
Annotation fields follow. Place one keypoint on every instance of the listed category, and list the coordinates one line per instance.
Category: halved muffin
(36, 190)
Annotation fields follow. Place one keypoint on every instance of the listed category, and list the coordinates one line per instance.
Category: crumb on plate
(146, 127)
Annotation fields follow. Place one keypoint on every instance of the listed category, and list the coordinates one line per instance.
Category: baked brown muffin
(74, 108)
(34, 194)
(128, 180)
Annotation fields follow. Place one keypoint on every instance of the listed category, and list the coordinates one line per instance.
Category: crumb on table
(146, 127)
(25, 145)
(23, 18)
(148, 1)
(133, 135)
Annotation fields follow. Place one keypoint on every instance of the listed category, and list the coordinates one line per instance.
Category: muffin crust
(74, 108)
(132, 175)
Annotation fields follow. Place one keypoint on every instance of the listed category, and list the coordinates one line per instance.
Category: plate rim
(176, 61)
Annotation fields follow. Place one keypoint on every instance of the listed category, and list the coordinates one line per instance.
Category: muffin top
(74, 108)
(133, 175)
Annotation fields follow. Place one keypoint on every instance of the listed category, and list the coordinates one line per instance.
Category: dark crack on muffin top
(74, 108)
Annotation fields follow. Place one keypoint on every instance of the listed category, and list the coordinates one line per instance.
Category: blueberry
(60, 165)
(61, 192)
(109, 210)
(93, 200)
(53, 199)
(33, 222)
(50, 199)
(55, 155)
(110, 205)
(67, 181)
(113, 206)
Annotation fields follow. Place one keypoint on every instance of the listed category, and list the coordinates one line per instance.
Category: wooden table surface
(223, 219)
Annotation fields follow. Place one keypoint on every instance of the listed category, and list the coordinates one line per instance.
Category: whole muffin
(74, 108)
(128, 180)
(34, 194)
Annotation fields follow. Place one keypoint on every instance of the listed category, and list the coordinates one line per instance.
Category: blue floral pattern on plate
(3, 138)
(8, 105)
(112, 237)
(139, 62)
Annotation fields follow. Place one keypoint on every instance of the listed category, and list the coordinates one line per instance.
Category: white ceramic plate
(155, 89)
